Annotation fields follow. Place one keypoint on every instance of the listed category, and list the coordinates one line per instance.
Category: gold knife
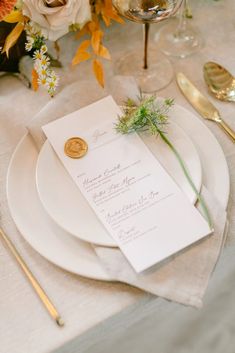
(202, 105)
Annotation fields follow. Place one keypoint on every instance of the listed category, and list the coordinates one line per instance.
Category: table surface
(112, 317)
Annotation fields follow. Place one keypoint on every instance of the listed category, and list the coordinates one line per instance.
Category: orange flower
(6, 6)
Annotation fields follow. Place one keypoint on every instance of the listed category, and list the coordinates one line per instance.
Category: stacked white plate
(53, 216)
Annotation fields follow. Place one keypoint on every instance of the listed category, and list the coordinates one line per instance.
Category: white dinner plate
(59, 246)
(66, 205)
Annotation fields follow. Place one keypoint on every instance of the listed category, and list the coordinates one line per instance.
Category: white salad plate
(66, 205)
(68, 252)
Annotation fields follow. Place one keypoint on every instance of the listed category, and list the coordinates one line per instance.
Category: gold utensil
(220, 81)
(202, 105)
(35, 284)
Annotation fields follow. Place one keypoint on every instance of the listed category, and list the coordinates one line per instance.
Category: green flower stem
(153, 117)
(182, 164)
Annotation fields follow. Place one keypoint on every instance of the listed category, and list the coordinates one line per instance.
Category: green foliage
(149, 114)
(38, 42)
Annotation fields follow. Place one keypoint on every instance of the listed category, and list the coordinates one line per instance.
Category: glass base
(175, 43)
(158, 75)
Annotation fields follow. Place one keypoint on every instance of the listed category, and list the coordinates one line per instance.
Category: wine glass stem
(182, 20)
(146, 40)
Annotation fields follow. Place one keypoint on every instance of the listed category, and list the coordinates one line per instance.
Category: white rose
(55, 16)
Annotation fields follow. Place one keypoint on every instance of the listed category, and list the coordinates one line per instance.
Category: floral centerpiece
(43, 20)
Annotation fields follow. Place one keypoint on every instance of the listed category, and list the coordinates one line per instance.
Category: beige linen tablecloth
(110, 317)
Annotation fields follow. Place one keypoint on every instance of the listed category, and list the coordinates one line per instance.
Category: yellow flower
(42, 81)
(45, 61)
(37, 55)
(43, 72)
(43, 49)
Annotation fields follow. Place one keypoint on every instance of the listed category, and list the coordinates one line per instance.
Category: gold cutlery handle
(33, 281)
(227, 129)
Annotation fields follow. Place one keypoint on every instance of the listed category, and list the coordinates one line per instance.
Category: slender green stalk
(152, 116)
(185, 171)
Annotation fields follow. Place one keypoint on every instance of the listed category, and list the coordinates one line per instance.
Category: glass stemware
(179, 38)
(154, 71)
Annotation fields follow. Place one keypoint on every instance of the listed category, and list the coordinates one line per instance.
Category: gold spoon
(220, 82)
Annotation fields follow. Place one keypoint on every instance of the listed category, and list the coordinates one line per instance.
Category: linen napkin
(183, 277)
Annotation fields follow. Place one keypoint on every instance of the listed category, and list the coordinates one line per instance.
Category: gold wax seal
(75, 147)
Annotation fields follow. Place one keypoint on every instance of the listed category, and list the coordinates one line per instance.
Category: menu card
(134, 197)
